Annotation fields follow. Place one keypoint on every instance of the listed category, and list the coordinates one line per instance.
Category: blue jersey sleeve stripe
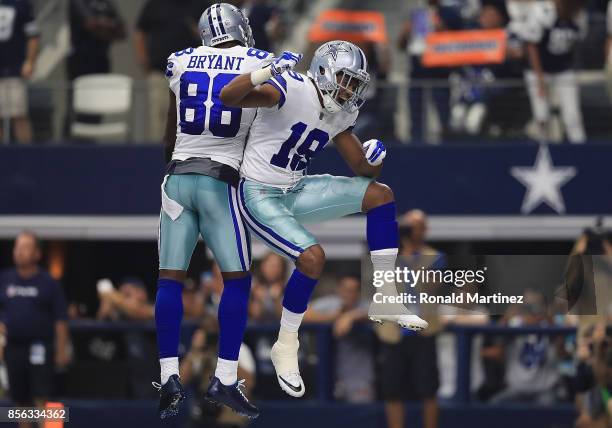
(280, 91)
(281, 81)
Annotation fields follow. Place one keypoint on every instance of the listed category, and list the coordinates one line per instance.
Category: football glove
(287, 61)
(105, 286)
(375, 152)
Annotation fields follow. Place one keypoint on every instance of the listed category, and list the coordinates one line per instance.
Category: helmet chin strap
(330, 105)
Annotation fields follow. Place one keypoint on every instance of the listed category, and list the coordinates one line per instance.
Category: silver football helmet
(222, 23)
(339, 71)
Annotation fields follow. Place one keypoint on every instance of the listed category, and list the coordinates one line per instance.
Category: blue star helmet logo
(333, 49)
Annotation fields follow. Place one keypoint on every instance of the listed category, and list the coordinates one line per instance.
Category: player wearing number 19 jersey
(297, 116)
(206, 142)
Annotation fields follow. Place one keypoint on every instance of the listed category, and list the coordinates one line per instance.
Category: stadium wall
(444, 180)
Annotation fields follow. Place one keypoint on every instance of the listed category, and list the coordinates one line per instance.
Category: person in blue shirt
(34, 323)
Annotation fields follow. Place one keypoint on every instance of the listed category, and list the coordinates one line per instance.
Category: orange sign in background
(349, 25)
(454, 48)
(52, 423)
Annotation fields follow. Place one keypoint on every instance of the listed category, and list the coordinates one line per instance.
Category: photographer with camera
(589, 273)
(587, 293)
(595, 240)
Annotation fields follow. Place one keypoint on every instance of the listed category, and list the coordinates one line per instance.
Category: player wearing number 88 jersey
(297, 116)
(205, 127)
(205, 143)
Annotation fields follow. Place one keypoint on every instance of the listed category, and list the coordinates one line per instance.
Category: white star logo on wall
(543, 182)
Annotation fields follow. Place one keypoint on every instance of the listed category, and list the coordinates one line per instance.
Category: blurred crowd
(537, 366)
(541, 42)
(162, 28)
(538, 90)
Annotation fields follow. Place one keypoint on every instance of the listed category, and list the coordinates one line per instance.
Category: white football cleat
(285, 361)
(407, 320)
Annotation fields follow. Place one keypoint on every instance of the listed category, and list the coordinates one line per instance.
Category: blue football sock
(233, 313)
(382, 229)
(298, 291)
(168, 316)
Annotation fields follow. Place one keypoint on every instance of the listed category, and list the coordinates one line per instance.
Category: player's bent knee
(176, 275)
(377, 194)
(386, 193)
(312, 261)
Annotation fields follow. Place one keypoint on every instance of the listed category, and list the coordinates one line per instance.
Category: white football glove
(375, 152)
(287, 61)
(105, 286)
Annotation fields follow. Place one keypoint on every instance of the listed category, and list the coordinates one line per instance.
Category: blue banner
(523, 179)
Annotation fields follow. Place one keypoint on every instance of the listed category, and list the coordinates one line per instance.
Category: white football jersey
(283, 138)
(205, 127)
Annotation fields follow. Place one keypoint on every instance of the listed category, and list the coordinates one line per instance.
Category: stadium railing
(100, 412)
(324, 346)
(480, 110)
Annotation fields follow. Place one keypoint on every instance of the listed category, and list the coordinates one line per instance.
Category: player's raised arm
(366, 160)
(248, 90)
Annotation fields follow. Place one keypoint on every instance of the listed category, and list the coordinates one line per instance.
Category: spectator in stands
(344, 310)
(18, 50)
(211, 284)
(33, 325)
(94, 26)
(532, 360)
(196, 369)
(414, 248)
(193, 301)
(409, 358)
(129, 302)
(427, 82)
(593, 381)
(268, 288)
(164, 27)
(493, 365)
(551, 36)
(77, 310)
(446, 344)
(266, 21)
(481, 99)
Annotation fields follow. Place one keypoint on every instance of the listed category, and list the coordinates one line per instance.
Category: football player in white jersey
(205, 140)
(296, 117)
